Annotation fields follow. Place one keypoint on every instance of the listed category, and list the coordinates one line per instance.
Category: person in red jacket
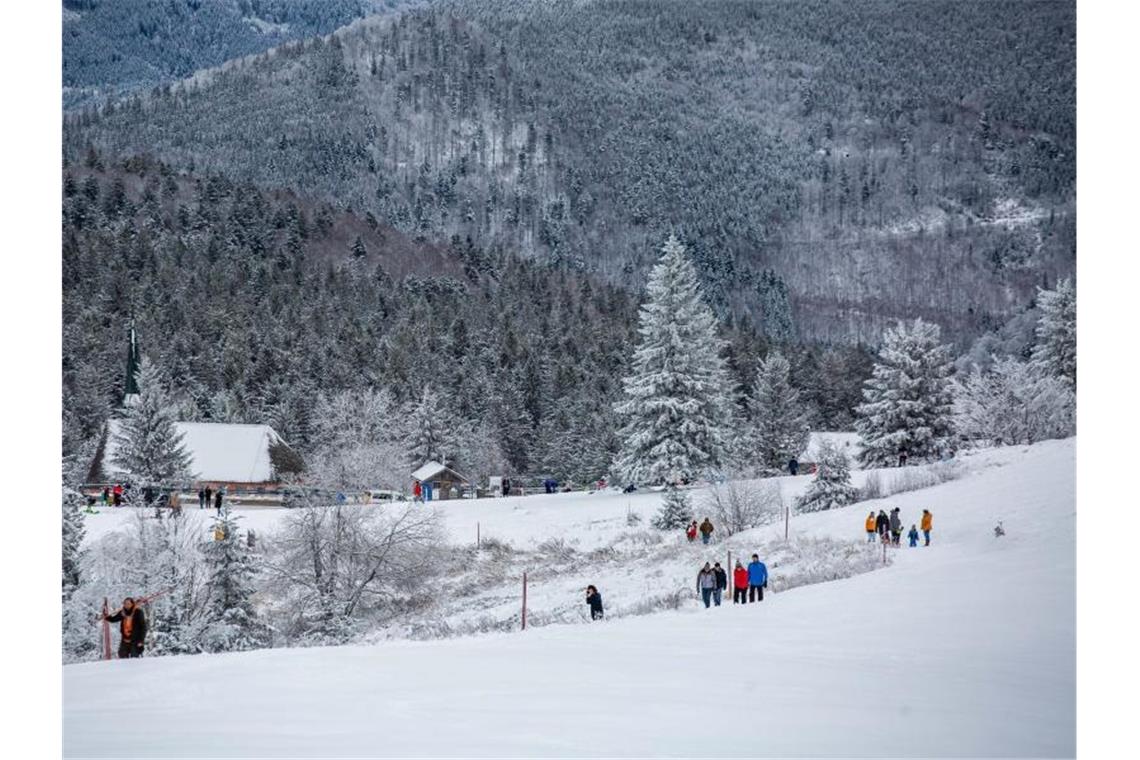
(691, 531)
(417, 491)
(739, 584)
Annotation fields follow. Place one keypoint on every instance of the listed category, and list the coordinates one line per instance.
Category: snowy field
(966, 648)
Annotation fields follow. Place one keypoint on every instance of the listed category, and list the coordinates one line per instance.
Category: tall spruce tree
(149, 447)
(778, 421)
(908, 402)
(233, 572)
(428, 433)
(831, 488)
(1055, 352)
(676, 409)
(676, 511)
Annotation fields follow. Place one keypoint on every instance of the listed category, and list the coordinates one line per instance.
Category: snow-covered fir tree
(73, 532)
(777, 424)
(907, 400)
(1055, 351)
(676, 510)
(427, 431)
(676, 410)
(149, 447)
(831, 488)
(234, 623)
(1013, 403)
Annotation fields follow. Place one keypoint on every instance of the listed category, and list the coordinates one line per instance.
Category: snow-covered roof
(220, 451)
(846, 442)
(431, 469)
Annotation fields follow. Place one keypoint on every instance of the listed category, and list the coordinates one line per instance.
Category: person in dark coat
(506, 486)
(594, 599)
(209, 496)
(132, 629)
(896, 526)
(902, 457)
(721, 583)
(706, 530)
(794, 466)
(218, 500)
(201, 499)
(882, 524)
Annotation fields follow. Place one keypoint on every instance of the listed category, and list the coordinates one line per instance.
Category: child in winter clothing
(691, 531)
(913, 536)
(739, 584)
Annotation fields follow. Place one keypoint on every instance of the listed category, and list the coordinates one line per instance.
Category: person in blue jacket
(757, 579)
(594, 599)
(913, 536)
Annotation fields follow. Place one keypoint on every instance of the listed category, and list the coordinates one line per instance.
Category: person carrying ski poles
(132, 628)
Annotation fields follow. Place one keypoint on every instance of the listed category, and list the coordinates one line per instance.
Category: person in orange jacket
(870, 526)
(927, 524)
(739, 584)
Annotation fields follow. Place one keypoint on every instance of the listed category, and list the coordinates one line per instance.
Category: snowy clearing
(965, 648)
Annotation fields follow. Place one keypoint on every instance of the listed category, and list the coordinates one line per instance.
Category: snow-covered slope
(965, 648)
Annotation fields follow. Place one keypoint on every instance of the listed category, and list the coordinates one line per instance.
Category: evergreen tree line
(580, 134)
(253, 308)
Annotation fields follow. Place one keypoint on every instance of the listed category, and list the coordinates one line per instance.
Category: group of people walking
(748, 583)
(889, 529)
(207, 494)
(705, 529)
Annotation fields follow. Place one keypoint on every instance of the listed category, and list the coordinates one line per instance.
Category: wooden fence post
(524, 602)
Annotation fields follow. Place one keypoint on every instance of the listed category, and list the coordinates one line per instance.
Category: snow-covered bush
(804, 561)
(737, 506)
(1014, 403)
(676, 510)
(872, 487)
(831, 488)
(342, 563)
(917, 478)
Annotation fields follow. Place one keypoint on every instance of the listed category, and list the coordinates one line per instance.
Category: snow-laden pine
(676, 511)
(73, 533)
(1055, 351)
(908, 402)
(427, 435)
(233, 569)
(832, 487)
(676, 410)
(149, 447)
(777, 426)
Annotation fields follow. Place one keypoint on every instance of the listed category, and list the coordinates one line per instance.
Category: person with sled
(913, 536)
(691, 531)
(896, 526)
(594, 599)
(757, 579)
(132, 629)
(739, 584)
(706, 584)
(870, 526)
(706, 530)
(927, 525)
(721, 583)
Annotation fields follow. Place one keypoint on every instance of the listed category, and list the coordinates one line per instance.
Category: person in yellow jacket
(870, 526)
(927, 525)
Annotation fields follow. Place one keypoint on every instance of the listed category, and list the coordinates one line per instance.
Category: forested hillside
(260, 304)
(831, 166)
(114, 46)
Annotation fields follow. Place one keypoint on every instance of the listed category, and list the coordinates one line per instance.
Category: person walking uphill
(913, 536)
(870, 526)
(757, 579)
(594, 599)
(706, 531)
(739, 584)
(706, 584)
(721, 583)
(927, 525)
(882, 524)
(691, 531)
(132, 629)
